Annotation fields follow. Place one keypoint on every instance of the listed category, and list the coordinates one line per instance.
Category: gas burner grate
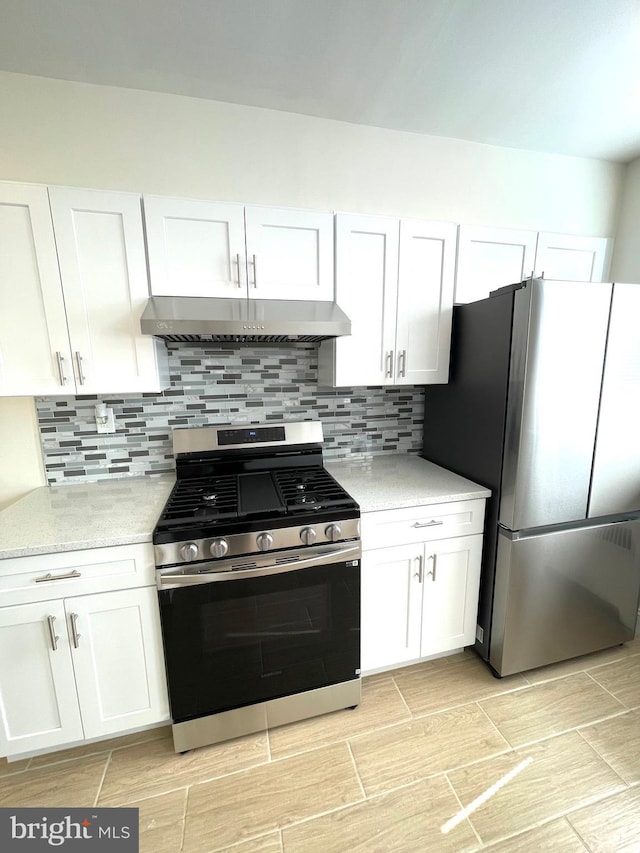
(201, 499)
(310, 489)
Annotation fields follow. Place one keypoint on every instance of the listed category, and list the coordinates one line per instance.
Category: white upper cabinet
(203, 248)
(425, 301)
(394, 280)
(35, 353)
(289, 254)
(489, 258)
(104, 279)
(73, 284)
(562, 256)
(366, 290)
(196, 248)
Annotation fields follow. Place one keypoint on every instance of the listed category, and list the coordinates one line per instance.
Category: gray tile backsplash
(220, 384)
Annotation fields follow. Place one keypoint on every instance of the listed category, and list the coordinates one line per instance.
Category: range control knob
(307, 535)
(218, 548)
(264, 541)
(189, 551)
(333, 532)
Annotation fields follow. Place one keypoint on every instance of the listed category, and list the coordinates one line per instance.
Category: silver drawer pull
(52, 633)
(431, 523)
(49, 577)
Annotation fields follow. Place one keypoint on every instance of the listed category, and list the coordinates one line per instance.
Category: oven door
(236, 632)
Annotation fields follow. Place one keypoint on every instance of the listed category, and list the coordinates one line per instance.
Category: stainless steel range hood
(196, 319)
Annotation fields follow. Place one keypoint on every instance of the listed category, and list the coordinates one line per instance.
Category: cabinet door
(35, 356)
(451, 580)
(425, 302)
(289, 254)
(196, 248)
(38, 702)
(561, 256)
(366, 290)
(489, 258)
(102, 264)
(118, 660)
(391, 606)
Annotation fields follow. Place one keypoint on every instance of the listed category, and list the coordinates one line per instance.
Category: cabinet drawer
(42, 577)
(421, 524)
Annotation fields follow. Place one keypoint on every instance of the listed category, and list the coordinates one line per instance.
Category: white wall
(625, 265)
(57, 132)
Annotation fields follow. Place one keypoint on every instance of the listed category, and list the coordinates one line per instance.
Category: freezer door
(557, 358)
(616, 469)
(563, 594)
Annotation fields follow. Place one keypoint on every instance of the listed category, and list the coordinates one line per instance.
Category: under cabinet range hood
(196, 319)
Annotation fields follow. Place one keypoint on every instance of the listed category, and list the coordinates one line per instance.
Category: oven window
(234, 643)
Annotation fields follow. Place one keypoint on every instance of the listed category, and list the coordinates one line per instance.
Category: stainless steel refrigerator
(543, 407)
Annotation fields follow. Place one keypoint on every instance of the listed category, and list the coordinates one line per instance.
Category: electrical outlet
(105, 421)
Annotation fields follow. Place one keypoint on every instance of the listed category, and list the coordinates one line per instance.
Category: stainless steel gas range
(258, 566)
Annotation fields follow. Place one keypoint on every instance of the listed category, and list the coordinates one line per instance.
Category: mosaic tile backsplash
(219, 384)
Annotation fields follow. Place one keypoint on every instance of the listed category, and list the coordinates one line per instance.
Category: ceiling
(548, 75)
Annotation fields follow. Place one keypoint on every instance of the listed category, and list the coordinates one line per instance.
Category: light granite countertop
(124, 511)
(89, 515)
(400, 480)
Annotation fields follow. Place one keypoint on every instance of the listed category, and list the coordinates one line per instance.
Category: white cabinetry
(420, 594)
(204, 248)
(489, 258)
(34, 342)
(73, 285)
(73, 665)
(562, 256)
(394, 280)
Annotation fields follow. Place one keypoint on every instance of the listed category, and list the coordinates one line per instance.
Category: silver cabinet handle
(60, 360)
(81, 376)
(237, 263)
(432, 523)
(402, 363)
(52, 632)
(418, 574)
(389, 364)
(75, 637)
(432, 573)
(255, 270)
(49, 577)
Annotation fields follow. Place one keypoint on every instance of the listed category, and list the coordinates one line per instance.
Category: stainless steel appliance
(198, 319)
(258, 566)
(543, 407)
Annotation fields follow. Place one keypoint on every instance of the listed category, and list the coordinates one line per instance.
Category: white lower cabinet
(79, 667)
(420, 599)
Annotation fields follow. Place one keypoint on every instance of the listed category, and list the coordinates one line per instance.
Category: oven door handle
(172, 578)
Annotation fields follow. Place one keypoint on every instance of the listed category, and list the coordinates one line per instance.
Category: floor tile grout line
(597, 721)
(577, 832)
(461, 804)
(102, 778)
(401, 695)
(355, 770)
(595, 680)
(345, 738)
(599, 754)
(586, 669)
(184, 817)
(269, 753)
(495, 726)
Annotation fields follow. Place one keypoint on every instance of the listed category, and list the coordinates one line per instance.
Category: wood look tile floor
(425, 741)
